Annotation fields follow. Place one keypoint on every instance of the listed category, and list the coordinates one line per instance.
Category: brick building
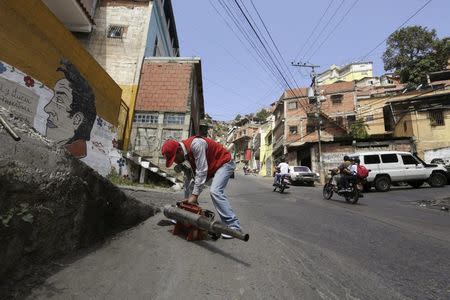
(169, 105)
(295, 132)
(243, 141)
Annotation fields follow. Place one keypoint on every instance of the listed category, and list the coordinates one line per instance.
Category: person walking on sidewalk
(208, 160)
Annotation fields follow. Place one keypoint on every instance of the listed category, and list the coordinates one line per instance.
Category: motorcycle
(284, 184)
(351, 195)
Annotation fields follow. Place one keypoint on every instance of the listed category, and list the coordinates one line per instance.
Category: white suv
(388, 167)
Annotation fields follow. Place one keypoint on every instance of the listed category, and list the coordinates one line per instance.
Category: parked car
(388, 167)
(446, 163)
(302, 174)
(440, 161)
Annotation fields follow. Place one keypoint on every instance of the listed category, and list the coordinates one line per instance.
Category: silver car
(302, 174)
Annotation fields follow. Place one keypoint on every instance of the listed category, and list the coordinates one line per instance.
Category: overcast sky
(235, 81)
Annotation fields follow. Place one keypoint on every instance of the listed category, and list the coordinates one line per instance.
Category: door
(391, 164)
(372, 163)
(414, 169)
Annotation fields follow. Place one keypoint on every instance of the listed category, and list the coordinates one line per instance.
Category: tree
(262, 114)
(238, 117)
(358, 130)
(413, 52)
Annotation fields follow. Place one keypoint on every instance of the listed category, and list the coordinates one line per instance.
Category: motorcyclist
(282, 169)
(345, 173)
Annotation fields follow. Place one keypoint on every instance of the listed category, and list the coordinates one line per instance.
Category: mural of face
(60, 125)
(71, 111)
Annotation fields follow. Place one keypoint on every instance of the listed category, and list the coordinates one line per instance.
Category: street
(301, 247)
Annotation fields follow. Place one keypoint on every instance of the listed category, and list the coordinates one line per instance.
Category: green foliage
(413, 52)
(117, 179)
(358, 130)
(262, 114)
(238, 117)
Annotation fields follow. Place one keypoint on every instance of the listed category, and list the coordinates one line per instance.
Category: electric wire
(407, 20)
(314, 30)
(334, 29)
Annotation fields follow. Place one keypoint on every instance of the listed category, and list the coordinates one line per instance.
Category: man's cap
(169, 151)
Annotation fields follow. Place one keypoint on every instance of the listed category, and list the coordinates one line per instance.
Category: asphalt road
(301, 247)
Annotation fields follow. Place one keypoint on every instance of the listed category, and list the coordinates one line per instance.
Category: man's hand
(193, 199)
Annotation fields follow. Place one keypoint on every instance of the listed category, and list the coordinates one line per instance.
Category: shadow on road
(207, 245)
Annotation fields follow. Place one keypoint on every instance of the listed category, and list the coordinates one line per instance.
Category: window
(174, 119)
(155, 47)
(369, 118)
(351, 120)
(146, 118)
(337, 98)
(340, 121)
(389, 158)
(388, 118)
(409, 160)
(405, 126)
(371, 159)
(116, 31)
(293, 129)
(292, 105)
(437, 118)
(310, 128)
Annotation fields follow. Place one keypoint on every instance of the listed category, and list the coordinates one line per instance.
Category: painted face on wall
(60, 125)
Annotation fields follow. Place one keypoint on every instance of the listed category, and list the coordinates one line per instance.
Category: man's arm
(198, 148)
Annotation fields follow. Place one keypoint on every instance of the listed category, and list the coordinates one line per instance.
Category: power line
(265, 48)
(334, 29)
(323, 29)
(407, 20)
(273, 42)
(314, 29)
(231, 16)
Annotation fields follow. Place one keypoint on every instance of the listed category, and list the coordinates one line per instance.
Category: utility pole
(317, 113)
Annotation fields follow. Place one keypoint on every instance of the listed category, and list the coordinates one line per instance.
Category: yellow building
(426, 117)
(423, 115)
(350, 72)
(266, 149)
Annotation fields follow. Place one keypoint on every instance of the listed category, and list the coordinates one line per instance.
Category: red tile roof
(164, 86)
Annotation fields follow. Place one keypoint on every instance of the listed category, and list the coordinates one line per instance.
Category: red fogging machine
(197, 224)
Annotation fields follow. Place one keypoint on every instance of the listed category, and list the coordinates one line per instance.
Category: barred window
(293, 129)
(350, 120)
(310, 128)
(116, 31)
(174, 119)
(340, 121)
(337, 98)
(146, 118)
(437, 118)
(292, 105)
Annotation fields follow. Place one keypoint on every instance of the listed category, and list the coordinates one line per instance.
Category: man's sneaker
(226, 236)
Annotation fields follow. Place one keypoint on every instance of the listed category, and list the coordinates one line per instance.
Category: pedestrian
(208, 160)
